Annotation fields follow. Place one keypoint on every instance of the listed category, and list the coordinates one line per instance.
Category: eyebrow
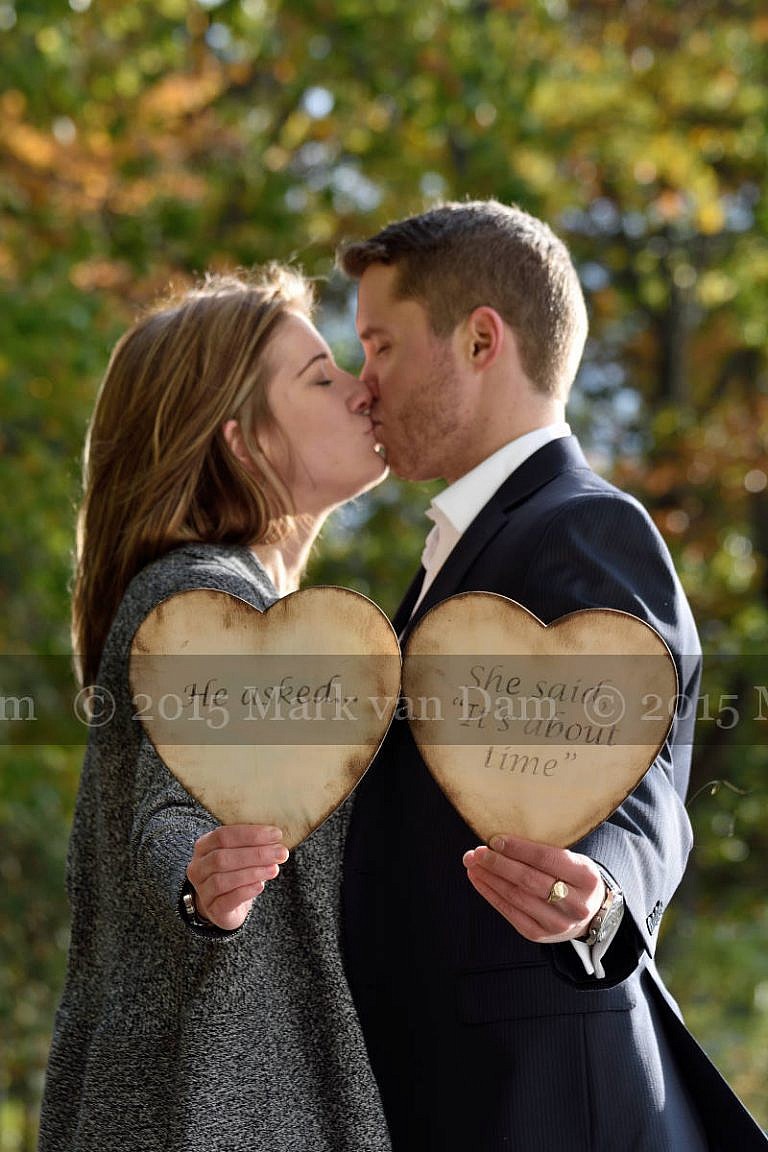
(314, 360)
(372, 330)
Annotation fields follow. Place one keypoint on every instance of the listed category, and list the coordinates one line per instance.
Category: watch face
(612, 918)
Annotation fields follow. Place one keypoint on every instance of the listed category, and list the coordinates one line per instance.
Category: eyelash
(384, 348)
(323, 383)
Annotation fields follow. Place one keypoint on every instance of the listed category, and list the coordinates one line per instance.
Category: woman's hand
(229, 869)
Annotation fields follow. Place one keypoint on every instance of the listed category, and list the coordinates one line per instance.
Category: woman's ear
(484, 337)
(233, 434)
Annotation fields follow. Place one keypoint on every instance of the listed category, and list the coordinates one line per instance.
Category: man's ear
(484, 337)
(233, 434)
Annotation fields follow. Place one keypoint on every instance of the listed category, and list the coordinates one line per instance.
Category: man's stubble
(423, 436)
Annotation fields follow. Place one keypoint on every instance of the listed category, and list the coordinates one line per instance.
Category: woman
(205, 1005)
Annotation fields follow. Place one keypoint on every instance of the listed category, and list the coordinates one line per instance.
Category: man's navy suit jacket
(480, 1039)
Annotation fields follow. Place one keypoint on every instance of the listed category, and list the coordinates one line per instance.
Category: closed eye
(323, 383)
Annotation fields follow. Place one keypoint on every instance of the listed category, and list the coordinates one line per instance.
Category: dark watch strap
(189, 908)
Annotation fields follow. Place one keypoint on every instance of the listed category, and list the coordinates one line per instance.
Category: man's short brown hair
(461, 256)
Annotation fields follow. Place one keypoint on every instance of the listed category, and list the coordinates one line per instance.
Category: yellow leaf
(710, 217)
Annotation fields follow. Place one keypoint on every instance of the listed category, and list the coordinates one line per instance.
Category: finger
(224, 905)
(526, 926)
(586, 888)
(559, 863)
(523, 876)
(523, 902)
(234, 860)
(220, 884)
(562, 916)
(239, 836)
(576, 905)
(229, 915)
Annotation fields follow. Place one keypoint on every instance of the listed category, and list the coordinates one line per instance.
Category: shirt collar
(457, 505)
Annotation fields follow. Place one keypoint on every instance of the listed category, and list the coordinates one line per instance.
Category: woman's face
(323, 447)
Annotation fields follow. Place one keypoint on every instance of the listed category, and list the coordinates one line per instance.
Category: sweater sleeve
(167, 822)
(166, 819)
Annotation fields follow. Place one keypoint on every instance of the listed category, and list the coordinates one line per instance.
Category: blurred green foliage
(145, 141)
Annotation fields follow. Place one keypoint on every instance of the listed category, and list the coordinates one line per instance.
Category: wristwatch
(608, 915)
(191, 915)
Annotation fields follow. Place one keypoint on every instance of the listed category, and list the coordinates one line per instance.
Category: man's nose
(368, 377)
(360, 397)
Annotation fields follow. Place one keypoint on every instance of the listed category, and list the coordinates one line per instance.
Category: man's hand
(230, 867)
(516, 877)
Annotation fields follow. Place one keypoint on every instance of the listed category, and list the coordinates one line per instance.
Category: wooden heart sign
(539, 731)
(267, 718)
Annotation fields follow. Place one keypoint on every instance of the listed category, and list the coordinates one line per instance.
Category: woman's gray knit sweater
(172, 1039)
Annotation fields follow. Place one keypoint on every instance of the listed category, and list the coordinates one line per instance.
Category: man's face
(419, 399)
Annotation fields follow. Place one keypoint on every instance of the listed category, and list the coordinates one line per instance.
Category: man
(508, 993)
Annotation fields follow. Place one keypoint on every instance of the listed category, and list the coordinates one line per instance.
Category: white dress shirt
(452, 511)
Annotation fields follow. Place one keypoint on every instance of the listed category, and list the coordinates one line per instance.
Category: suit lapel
(558, 456)
(406, 604)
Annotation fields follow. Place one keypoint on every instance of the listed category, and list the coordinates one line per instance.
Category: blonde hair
(157, 469)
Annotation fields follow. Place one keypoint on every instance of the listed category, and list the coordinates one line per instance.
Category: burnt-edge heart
(537, 730)
(268, 718)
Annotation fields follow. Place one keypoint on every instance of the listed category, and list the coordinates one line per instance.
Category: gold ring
(558, 891)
